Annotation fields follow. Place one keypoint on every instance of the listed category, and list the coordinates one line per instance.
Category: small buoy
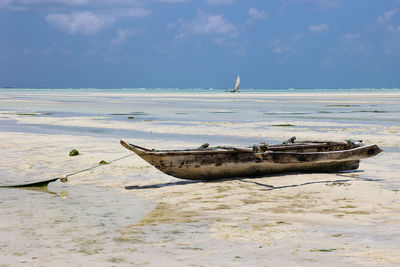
(73, 153)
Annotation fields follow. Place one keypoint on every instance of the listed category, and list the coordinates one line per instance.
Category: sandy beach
(130, 214)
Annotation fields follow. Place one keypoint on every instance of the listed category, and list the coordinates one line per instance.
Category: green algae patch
(33, 114)
(139, 113)
(192, 248)
(27, 114)
(342, 106)
(338, 184)
(373, 111)
(103, 162)
(336, 235)
(115, 260)
(322, 250)
(283, 125)
(73, 153)
(222, 111)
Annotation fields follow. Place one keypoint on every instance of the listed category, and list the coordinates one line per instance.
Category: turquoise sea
(199, 104)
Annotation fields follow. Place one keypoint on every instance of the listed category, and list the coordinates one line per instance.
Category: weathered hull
(220, 164)
(231, 170)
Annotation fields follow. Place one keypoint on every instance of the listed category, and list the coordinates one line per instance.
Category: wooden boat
(206, 163)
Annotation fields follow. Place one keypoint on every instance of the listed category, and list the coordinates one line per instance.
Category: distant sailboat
(237, 85)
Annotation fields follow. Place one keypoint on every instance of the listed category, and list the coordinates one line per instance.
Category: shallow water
(46, 226)
(128, 213)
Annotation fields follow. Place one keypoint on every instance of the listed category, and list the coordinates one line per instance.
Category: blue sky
(200, 43)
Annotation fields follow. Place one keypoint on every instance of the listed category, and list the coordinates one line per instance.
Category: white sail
(237, 84)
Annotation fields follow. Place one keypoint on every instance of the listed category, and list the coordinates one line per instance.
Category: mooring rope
(62, 179)
(98, 165)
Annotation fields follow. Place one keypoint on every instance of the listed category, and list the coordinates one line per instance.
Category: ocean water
(181, 106)
(96, 218)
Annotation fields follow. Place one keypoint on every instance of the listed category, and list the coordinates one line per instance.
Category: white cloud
(80, 22)
(122, 36)
(350, 44)
(320, 28)
(5, 3)
(57, 3)
(392, 47)
(174, 24)
(256, 14)
(204, 24)
(297, 36)
(28, 51)
(212, 24)
(219, 2)
(82, 16)
(66, 6)
(237, 46)
(54, 49)
(280, 46)
(323, 4)
(67, 2)
(96, 4)
(172, 1)
(218, 29)
(387, 16)
(130, 12)
(87, 22)
(394, 28)
(209, 24)
(28, 4)
(350, 37)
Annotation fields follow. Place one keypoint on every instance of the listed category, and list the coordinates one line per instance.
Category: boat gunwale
(268, 152)
(233, 151)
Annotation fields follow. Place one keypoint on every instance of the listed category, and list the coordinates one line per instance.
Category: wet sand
(128, 213)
